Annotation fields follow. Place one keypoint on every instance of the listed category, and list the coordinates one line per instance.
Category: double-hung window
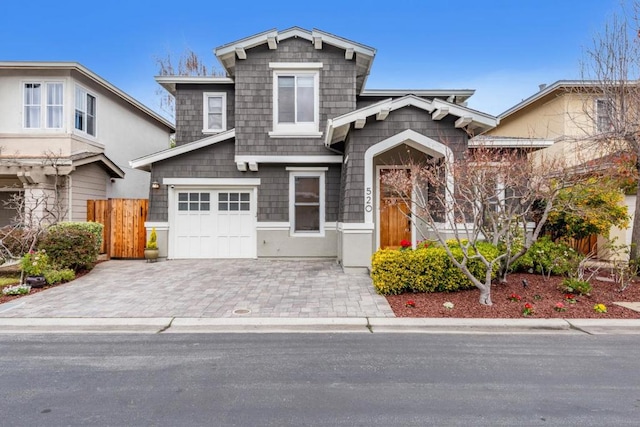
(43, 105)
(604, 112)
(296, 99)
(307, 201)
(215, 112)
(85, 117)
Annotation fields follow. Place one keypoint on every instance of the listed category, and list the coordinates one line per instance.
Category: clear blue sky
(501, 48)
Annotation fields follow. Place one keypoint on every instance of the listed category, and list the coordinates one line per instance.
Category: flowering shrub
(514, 297)
(448, 305)
(411, 303)
(560, 307)
(35, 263)
(527, 310)
(548, 257)
(600, 308)
(16, 290)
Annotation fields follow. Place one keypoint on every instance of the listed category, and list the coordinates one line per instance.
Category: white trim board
(289, 159)
(217, 182)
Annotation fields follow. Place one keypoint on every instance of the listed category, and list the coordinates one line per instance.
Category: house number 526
(368, 201)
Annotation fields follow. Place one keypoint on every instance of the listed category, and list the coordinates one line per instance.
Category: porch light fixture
(155, 185)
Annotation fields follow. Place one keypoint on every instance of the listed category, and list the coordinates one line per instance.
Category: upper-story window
(85, 118)
(215, 112)
(604, 111)
(296, 99)
(43, 105)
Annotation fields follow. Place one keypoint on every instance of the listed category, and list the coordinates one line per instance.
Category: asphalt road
(319, 379)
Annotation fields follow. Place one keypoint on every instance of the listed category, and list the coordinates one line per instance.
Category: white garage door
(215, 224)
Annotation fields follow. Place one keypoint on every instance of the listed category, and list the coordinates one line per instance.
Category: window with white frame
(43, 105)
(85, 117)
(306, 201)
(215, 112)
(604, 111)
(296, 98)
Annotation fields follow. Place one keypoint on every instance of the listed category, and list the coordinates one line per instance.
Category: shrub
(35, 263)
(16, 242)
(94, 228)
(548, 257)
(152, 243)
(58, 276)
(70, 247)
(425, 270)
(576, 285)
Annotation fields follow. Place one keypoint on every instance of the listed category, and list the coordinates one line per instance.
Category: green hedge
(426, 270)
(94, 228)
(546, 256)
(71, 246)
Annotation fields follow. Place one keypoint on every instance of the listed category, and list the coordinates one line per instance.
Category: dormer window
(214, 112)
(296, 99)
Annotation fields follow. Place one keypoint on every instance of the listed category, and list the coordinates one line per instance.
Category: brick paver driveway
(208, 288)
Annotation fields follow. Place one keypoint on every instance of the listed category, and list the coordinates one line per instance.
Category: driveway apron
(208, 288)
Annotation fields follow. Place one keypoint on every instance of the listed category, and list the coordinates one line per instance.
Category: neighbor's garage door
(215, 224)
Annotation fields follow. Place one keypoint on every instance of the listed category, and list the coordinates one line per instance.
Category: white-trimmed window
(85, 117)
(307, 201)
(604, 112)
(214, 112)
(43, 105)
(296, 100)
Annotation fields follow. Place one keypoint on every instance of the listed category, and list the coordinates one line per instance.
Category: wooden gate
(124, 235)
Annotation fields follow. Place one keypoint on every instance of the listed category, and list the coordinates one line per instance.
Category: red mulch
(542, 293)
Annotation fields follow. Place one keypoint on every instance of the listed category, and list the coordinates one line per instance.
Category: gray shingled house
(283, 157)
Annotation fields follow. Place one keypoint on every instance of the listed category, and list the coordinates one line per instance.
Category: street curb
(83, 325)
(178, 325)
(267, 325)
(612, 326)
(467, 325)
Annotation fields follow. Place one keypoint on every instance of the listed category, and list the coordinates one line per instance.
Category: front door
(395, 216)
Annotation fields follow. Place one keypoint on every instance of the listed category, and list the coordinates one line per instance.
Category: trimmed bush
(92, 227)
(425, 270)
(58, 276)
(546, 256)
(581, 287)
(70, 247)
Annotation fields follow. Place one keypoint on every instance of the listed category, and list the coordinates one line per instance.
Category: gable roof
(106, 163)
(456, 96)
(144, 163)
(74, 66)
(557, 87)
(338, 127)
(230, 52)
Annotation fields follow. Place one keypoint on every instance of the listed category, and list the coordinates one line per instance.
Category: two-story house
(562, 120)
(283, 157)
(67, 135)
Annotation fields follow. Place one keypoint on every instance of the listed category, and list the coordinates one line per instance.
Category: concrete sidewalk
(318, 325)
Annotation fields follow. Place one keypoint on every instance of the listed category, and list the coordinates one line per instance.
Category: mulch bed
(540, 292)
(7, 298)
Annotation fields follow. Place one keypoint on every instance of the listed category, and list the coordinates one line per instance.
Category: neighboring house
(67, 133)
(283, 157)
(561, 119)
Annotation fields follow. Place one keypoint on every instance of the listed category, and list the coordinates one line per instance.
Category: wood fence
(586, 246)
(124, 235)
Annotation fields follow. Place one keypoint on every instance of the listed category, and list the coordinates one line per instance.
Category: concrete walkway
(261, 288)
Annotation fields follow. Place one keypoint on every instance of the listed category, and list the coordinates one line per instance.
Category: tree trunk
(485, 296)
(635, 234)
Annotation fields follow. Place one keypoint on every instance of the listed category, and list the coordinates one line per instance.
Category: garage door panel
(215, 224)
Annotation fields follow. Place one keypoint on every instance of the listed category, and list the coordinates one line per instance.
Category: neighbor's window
(32, 104)
(37, 103)
(604, 111)
(306, 207)
(215, 112)
(85, 118)
(296, 100)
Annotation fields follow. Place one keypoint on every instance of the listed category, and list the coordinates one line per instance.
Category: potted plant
(151, 250)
